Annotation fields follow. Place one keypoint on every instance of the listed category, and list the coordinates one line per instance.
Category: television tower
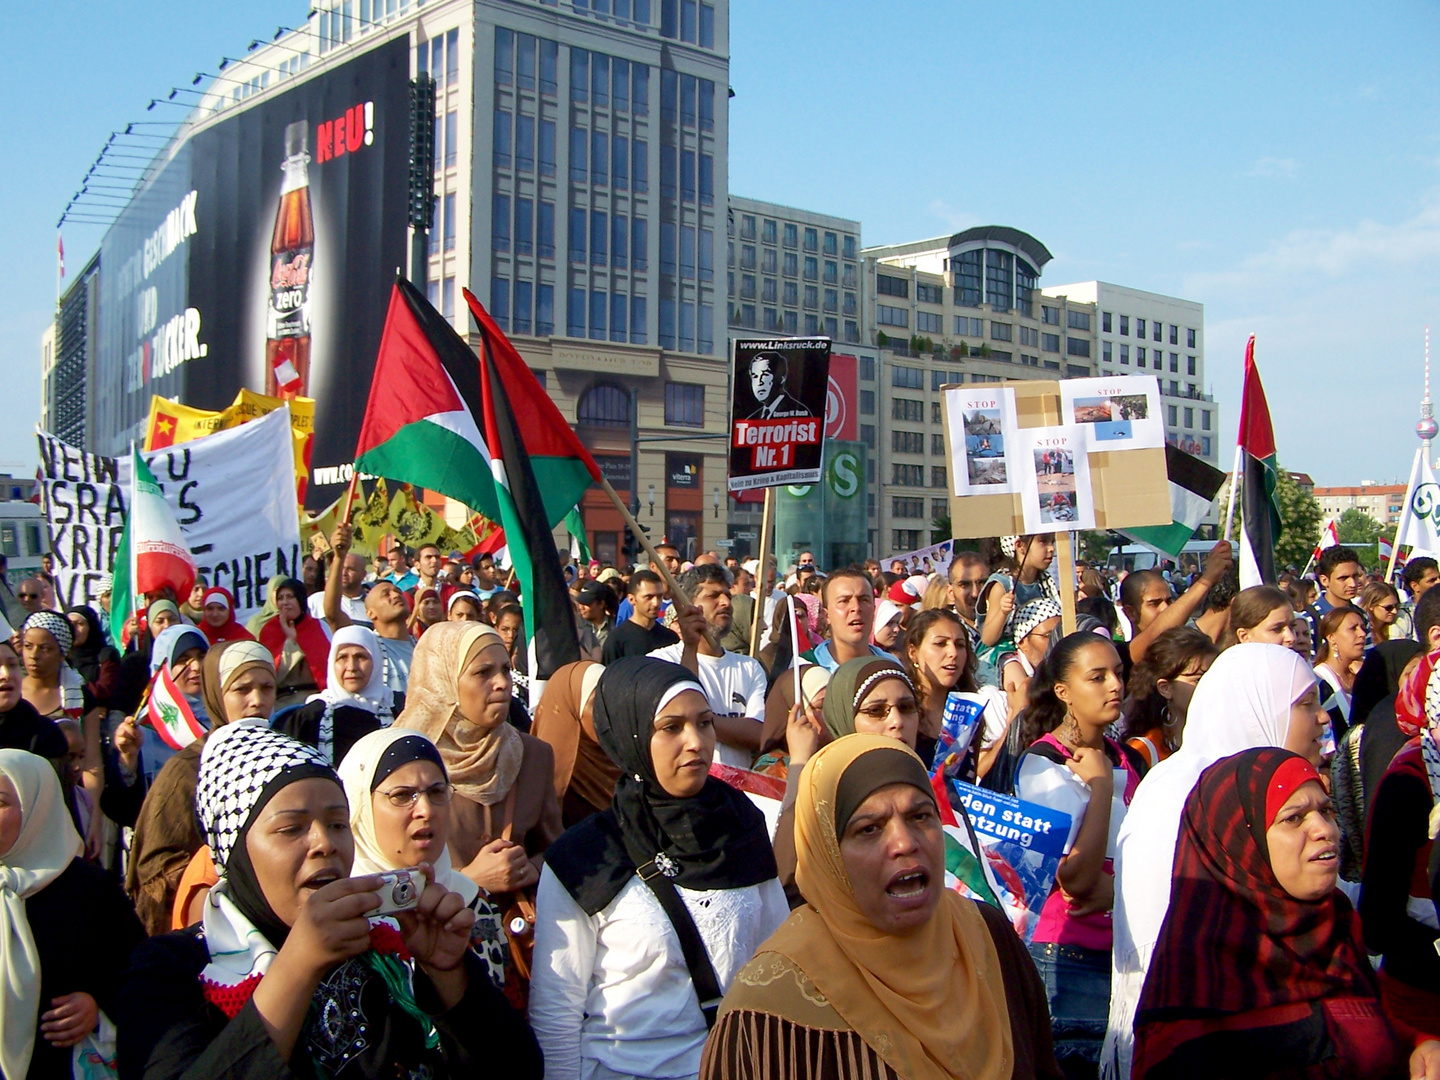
(1427, 428)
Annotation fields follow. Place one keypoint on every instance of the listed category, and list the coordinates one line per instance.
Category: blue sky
(1279, 163)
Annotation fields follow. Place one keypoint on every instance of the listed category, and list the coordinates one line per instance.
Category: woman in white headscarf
(1253, 695)
(66, 929)
(356, 699)
(400, 797)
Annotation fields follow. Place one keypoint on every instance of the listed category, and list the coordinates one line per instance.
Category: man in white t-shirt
(734, 684)
(352, 591)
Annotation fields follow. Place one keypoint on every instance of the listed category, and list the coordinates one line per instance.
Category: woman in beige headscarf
(884, 973)
(505, 813)
(66, 929)
(565, 718)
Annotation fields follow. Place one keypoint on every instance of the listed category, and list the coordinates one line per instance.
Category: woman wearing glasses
(1381, 604)
(400, 799)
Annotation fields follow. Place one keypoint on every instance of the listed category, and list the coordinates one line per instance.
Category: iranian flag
(1259, 506)
(169, 713)
(152, 555)
(483, 431)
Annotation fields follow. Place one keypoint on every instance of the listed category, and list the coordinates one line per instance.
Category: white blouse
(610, 994)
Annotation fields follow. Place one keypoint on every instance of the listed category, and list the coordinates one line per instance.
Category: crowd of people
(399, 850)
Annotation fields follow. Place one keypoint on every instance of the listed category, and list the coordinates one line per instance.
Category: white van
(1139, 557)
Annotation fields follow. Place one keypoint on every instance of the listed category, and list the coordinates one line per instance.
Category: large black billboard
(262, 256)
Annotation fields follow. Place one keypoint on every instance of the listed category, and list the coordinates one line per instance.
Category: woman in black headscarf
(96, 661)
(286, 973)
(676, 844)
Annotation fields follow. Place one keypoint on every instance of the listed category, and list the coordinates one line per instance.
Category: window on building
(1189, 365)
(1107, 352)
(579, 75)
(867, 402)
(867, 368)
(1189, 417)
(937, 476)
(544, 311)
(1174, 334)
(1125, 354)
(1030, 336)
(502, 141)
(575, 314)
(637, 320)
(929, 322)
(812, 269)
(886, 315)
(848, 248)
(812, 240)
(791, 264)
(520, 314)
(907, 507)
(791, 234)
(1049, 316)
(579, 154)
(1051, 343)
(1190, 338)
(1174, 362)
(1075, 346)
(832, 273)
(891, 286)
(1140, 328)
(603, 405)
(1172, 415)
(968, 327)
(1000, 331)
(639, 246)
(1078, 320)
(792, 294)
(999, 279)
(906, 539)
(907, 475)
(852, 331)
(545, 230)
(524, 226)
(684, 404)
(937, 444)
(867, 436)
(599, 308)
(1105, 322)
(969, 278)
(905, 377)
(1157, 331)
(907, 409)
(1204, 419)
(1140, 357)
(853, 308)
(812, 296)
(832, 301)
(500, 223)
(1125, 324)
(929, 294)
(907, 442)
(500, 301)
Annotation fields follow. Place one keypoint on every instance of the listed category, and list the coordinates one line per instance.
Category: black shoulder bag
(702, 973)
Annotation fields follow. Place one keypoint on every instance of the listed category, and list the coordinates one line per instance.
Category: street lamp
(652, 499)
(717, 500)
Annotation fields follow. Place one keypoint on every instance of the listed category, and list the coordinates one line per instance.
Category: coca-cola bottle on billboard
(292, 246)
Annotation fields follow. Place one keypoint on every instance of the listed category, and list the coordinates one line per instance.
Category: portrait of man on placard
(767, 384)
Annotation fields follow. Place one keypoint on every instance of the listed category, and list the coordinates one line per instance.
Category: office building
(1383, 503)
(579, 174)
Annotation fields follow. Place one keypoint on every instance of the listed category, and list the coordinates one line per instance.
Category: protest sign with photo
(1023, 844)
(1055, 479)
(232, 493)
(1120, 413)
(777, 416)
(982, 421)
(934, 559)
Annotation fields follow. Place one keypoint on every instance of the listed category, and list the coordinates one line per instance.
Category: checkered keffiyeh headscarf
(57, 626)
(1007, 546)
(1029, 616)
(238, 763)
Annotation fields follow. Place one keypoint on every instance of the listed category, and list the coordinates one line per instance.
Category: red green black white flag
(1259, 507)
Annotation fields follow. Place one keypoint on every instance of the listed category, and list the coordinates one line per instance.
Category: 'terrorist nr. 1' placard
(777, 416)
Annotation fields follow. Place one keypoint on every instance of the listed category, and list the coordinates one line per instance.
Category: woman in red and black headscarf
(300, 644)
(217, 617)
(1260, 969)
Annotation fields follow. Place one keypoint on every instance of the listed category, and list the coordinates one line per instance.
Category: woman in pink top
(1071, 766)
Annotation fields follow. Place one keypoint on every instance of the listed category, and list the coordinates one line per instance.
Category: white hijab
(45, 846)
(357, 773)
(1242, 702)
(375, 697)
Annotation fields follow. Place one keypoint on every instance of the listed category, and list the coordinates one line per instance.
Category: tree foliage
(1357, 528)
(1299, 523)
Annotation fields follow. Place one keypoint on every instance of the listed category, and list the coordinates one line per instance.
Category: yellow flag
(171, 422)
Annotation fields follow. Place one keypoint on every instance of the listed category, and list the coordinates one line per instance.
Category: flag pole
(675, 590)
(767, 526)
(1404, 513)
(1234, 483)
(350, 496)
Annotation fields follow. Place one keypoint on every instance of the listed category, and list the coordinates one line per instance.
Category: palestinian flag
(1193, 487)
(1260, 474)
(169, 713)
(430, 402)
(152, 555)
(579, 546)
